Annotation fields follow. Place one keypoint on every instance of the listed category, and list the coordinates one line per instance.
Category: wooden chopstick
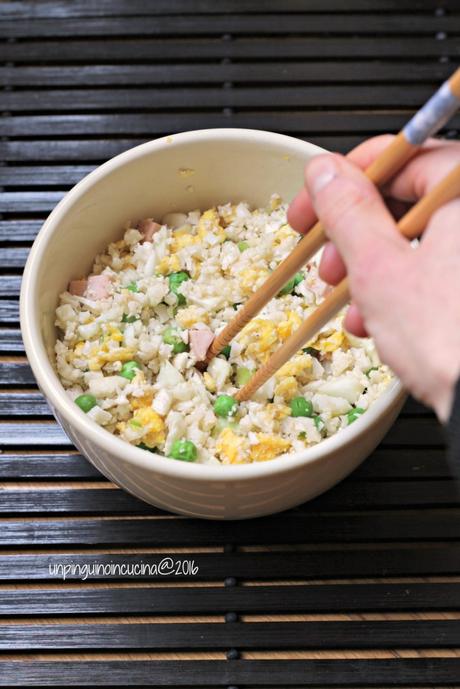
(426, 122)
(411, 226)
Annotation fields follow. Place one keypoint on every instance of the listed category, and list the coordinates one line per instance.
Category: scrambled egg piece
(287, 387)
(299, 366)
(287, 327)
(250, 279)
(285, 232)
(328, 343)
(152, 423)
(78, 348)
(259, 337)
(102, 354)
(209, 382)
(144, 401)
(278, 412)
(113, 333)
(275, 202)
(209, 222)
(168, 264)
(267, 447)
(181, 241)
(230, 447)
(189, 316)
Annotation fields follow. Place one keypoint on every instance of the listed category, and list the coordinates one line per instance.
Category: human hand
(407, 298)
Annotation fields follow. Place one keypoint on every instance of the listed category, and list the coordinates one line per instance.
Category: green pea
(175, 280)
(369, 370)
(301, 407)
(85, 402)
(319, 423)
(353, 414)
(172, 337)
(132, 287)
(226, 351)
(184, 450)
(129, 319)
(243, 374)
(225, 406)
(290, 286)
(242, 246)
(129, 368)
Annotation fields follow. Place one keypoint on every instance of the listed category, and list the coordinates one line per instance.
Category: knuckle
(342, 202)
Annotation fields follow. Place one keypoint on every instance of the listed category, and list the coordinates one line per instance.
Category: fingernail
(320, 173)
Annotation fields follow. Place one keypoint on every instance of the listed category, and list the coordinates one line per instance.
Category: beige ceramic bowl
(181, 172)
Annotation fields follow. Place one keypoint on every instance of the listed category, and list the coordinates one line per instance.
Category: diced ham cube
(98, 287)
(77, 287)
(200, 341)
(148, 227)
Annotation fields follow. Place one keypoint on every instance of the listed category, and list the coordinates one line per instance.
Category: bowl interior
(177, 173)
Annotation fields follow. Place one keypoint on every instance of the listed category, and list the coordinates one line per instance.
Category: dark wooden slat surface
(245, 636)
(307, 673)
(290, 527)
(16, 373)
(9, 311)
(14, 257)
(86, 8)
(334, 563)
(10, 341)
(328, 96)
(35, 201)
(98, 149)
(347, 496)
(129, 50)
(151, 123)
(13, 231)
(9, 286)
(167, 74)
(208, 25)
(324, 598)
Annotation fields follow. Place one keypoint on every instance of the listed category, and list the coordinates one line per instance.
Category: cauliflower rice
(149, 392)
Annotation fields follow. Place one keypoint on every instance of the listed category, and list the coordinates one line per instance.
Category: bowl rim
(53, 390)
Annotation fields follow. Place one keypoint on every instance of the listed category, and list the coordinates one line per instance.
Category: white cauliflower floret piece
(64, 314)
(156, 292)
(99, 415)
(88, 331)
(334, 406)
(175, 424)
(266, 391)
(341, 361)
(346, 387)
(168, 376)
(162, 402)
(106, 386)
(132, 236)
(219, 369)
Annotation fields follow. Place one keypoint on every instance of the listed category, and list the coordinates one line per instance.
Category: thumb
(353, 213)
